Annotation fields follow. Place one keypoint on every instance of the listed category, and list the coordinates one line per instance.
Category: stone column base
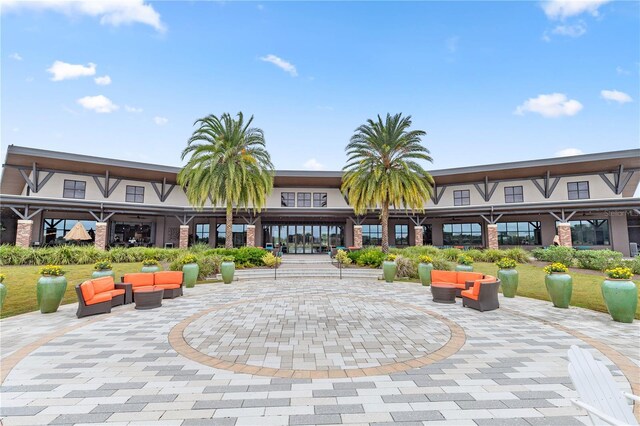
(251, 235)
(564, 232)
(357, 236)
(492, 236)
(184, 236)
(419, 231)
(23, 233)
(101, 236)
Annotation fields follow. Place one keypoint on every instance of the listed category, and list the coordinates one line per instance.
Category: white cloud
(64, 71)
(562, 9)
(103, 81)
(313, 164)
(282, 64)
(132, 109)
(568, 152)
(160, 121)
(552, 105)
(622, 71)
(452, 44)
(16, 56)
(100, 104)
(574, 31)
(616, 96)
(110, 12)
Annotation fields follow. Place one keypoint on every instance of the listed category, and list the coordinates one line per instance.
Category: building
(588, 200)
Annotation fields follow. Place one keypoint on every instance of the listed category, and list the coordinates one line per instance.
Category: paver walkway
(501, 367)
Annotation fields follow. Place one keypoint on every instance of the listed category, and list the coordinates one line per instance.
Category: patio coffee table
(443, 293)
(148, 299)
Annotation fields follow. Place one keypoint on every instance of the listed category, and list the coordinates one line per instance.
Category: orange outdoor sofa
(461, 280)
(98, 296)
(478, 291)
(170, 281)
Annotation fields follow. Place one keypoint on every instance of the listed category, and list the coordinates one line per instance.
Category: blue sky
(488, 81)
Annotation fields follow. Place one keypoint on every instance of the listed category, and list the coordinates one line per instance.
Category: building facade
(587, 200)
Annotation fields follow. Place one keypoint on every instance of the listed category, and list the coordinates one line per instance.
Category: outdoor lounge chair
(483, 296)
(100, 304)
(598, 393)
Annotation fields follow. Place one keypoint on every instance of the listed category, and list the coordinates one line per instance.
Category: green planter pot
(464, 268)
(49, 293)
(424, 272)
(621, 298)
(154, 268)
(103, 273)
(559, 286)
(190, 271)
(227, 269)
(389, 270)
(509, 281)
(3, 295)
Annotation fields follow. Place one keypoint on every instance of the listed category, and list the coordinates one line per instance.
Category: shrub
(450, 254)
(598, 260)
(209, 265)
(464, 260)
(518, 254)
(558, 254)
(633, 264)
(270, 260)
(493, 255)
(555, 267)
(2, 277)
(619, 273)
(150, 262)
(406, 267)
(227, 258)
(476, 255)
(370, 256)
(506, 263)
(102, 265)
(342, 257)
(52, 270)
(425, 259)
(391, 257)
(441, 264)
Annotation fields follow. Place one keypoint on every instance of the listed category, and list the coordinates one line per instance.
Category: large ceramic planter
(103, 273)
(424, 272)
(190, 272)
(227, 269)
(49, 292)
(464, 268)
(3, 294)
(389, 270)
(621, 298)
(559, 286)
(509, 281)
(150, 269)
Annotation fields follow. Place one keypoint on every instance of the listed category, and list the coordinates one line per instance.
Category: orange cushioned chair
(460, 280)
(90, 302)
(106, 285)
(170, 282)
(483, 296)
(443, 277)
(139, 281)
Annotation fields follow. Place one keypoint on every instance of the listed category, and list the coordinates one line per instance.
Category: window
(461, 198)
(402, 235)
(371, 235)
(135, 194)
(319, 199)
(239, 235)
(55, 229)
(578, 190)
(287, 199)
(202, 233)
(513, 194)
(132, 234)
(592, 232)
(519, 233)
(462, 234)
(74, 189)
(304, 199)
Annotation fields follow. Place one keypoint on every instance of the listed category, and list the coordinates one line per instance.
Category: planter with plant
(102, 269)
(508, 276)
(150, 265)
(3, 291)
(465, 263)
(425, 266)
(190, 270)
(50, 288)
(620, 294)
(389, 268)
(271, 261)
(559, 284)
(227, 269)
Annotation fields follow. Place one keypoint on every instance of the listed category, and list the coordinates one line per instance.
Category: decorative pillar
(418, 230)
(492, 236)
(564, 232)
(184, 236)
(251, 235)
(357, 236)
(23, 233)
(101, 235)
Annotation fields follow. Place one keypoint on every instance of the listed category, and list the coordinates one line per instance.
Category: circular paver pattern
(316, 333)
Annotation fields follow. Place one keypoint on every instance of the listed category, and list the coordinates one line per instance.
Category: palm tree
(382, 169)
(229, 165)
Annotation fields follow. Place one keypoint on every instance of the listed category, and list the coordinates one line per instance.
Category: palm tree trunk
(384, 220)
(228, 243)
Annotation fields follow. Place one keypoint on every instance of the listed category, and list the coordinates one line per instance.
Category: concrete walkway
(306, 352)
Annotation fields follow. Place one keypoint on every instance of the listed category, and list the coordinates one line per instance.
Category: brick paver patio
(306, 352)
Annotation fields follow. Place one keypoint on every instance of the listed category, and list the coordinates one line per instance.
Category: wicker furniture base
(128, 291)
(148, 299)
(172, 293)
(443, 293)
(86, 310)
(487, 298)
(117, 300)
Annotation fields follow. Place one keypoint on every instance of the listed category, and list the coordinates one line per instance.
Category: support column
(357, 236)
(101, 236)
(492, 236)
(23, 233)
(184, 236)
(251, 235)
(564, 232)
(418, 235)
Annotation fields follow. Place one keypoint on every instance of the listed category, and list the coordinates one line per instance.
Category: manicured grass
(21, 284)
